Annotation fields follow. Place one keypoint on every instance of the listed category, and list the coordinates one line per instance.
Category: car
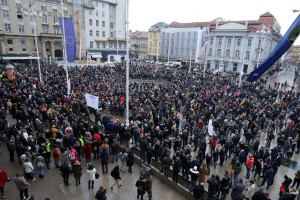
(196, 69)
(151, 62)
(137, 59)
(147, 61)
(215, 72)
(160, 63)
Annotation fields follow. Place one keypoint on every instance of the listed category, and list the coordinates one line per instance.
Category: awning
(96, 56)
(20, 58)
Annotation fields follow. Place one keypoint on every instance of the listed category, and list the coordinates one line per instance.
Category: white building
(104, 30)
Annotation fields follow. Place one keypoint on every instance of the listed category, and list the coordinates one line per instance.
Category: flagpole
(127, 64)
(64, 48)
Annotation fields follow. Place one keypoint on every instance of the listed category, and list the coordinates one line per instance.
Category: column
(44, 55)
(52, 51)
(2, 48)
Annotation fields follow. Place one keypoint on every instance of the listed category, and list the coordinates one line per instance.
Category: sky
(145, 13)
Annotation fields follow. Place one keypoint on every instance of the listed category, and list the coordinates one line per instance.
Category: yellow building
(153, 50)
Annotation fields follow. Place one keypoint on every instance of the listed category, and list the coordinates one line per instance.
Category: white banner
(92, 101)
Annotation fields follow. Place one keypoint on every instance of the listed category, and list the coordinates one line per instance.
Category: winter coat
(65, 170)
(77, 170)
(115, 173)
(130, 159)
(250, 162)
(56, 154)
(100, 195)
(91, 174)
(20, 182)
(40, 162)
(3, 177)
(202, 174)
(28, 167)
(250, 191)
(88, 151)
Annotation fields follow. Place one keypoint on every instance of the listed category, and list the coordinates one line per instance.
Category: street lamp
(169, 46)
(264, 30)
(34, 15)
(117, 30)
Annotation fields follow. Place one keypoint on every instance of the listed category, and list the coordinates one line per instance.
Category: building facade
(240, 46)
(181, 44)
(19, 21)
(138, 44)
(104, 30)
(153, 47)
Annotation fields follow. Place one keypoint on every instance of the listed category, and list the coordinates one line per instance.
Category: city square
(93, 108)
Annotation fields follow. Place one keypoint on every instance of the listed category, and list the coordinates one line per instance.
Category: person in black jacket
(100, 195)
(130, 161)
(213, 186)
(198, 191)
(224, 185)
(115, 173)
(65, 172)
(176, 169)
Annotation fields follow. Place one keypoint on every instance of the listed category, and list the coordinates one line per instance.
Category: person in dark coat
(130, 161)
(115, 173)
(259, 195)
(65, 172)
(77, 171)
(213, 186)
(237, 190)
(140, 184)
(176, 169)
(101, 194)
(268, 177)
(198, 191)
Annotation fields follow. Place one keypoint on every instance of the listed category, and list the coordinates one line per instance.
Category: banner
(70, 41)
(284, 44)
(92, 101)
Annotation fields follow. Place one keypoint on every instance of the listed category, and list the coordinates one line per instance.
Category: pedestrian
(237, 190)
(249, 164)
(104, 160)
(11, 147)
(224, 185)
(130, 161)
(21, 185)
(115, 173)
(28, 169)
(72, 155)
(166, 163)
(40, 164)
(56, 156)
(77, 171)
(65, 171)
(296, 179)
(3, 179)
(91, 174)
(123, 156)
(114, 151)
(250, 190)
(87, 149)
(213, 186)
(198, 191)
(148, 186)
(268, 176)
(101, 194)
(176, 169)
(140, 184)
(203, 172)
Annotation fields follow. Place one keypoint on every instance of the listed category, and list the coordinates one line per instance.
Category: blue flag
(70, 38)
(284, 44)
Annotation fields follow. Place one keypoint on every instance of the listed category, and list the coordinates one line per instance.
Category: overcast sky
(145, 13)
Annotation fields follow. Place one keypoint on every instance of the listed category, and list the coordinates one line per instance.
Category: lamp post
(117, 30)
(34, 15)
(263, 31)
(169, 46)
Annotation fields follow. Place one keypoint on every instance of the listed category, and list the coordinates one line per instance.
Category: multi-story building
(153, 51)
(138, 44)
(104, 30)
(17, 27)
(182, 44)
(240, 46)
(293, 55)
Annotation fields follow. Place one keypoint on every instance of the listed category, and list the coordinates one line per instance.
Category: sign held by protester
(92, 101)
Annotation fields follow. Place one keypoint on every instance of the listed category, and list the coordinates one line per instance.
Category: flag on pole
(92, 101)
(284, 44)
(70, 41)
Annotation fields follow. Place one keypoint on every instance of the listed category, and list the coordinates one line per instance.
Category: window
(55, 19)
(219, 53)
(220, 41)
(110, 45)
(90, 12)
(54, 10)
(56, 30)
(227, 53)
(90, 3)
(5, 13)
(120, 45)
(103, 23)
(237, 54)
(19, 15)
(31, 4)
(115, 45)
(9, 41)
(97, 22)
(32, 30)
(98, 45)
(247, 54)
(229, 42)
(234, 67)
(210, 52)
(45, 18)
(97, 33)
(102, 5)
(111, 34)
(21, 29)
(7, 27)
(259, 43)
(249, 42)
(111, 25)
(103, 45)
(91, 32)
(91, 44)
(65, 12)
(238, 42)
(91, 22)
(97, 13)
(33, 42)
(18, 4)
(45, 29)
(43, 7)
(23, 41)
(103, 14)
(4, 2)
(103, 33)
(211, 41)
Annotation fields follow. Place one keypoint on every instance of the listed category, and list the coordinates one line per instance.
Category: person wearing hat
(91, 174)
(194, 177)
(77, 171)
(22, 185)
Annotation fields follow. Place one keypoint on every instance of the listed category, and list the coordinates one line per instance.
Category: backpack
(40, 164)
(72, 155)
(140, 188)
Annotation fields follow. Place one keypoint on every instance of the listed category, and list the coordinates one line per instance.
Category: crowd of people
(188, 122)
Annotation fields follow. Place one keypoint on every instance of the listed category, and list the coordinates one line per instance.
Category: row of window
(6, 15)
(178, 34)
(22, 41)
(7, 28)
(229, 41)
(102, 23)
(110, 45)
(228, 53)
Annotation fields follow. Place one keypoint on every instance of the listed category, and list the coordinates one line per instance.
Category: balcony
(89, 6)
(52, 35)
